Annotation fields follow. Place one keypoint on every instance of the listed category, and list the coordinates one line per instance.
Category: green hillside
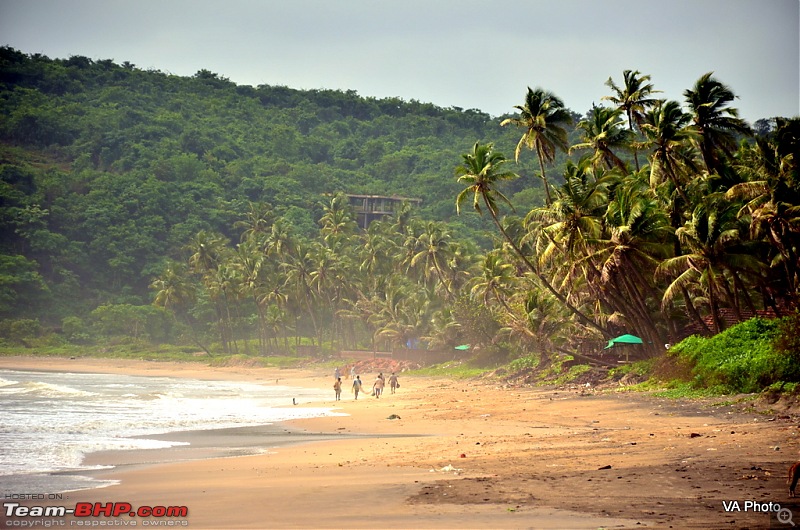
(108, 169)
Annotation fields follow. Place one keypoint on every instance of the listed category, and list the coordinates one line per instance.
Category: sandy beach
(458, 454)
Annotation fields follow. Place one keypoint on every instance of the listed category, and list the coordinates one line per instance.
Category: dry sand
(463, 454)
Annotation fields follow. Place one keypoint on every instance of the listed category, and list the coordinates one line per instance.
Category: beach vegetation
(742, 359)
(152, 215)
(451, 369)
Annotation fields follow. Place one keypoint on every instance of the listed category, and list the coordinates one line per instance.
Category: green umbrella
(624, 339)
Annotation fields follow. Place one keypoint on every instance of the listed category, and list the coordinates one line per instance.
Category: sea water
(50, 420)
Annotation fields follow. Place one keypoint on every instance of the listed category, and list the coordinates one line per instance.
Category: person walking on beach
(337, 387)
(377, 386)
(393, 383)
(336, 373)
(357, 385)
(353, 372)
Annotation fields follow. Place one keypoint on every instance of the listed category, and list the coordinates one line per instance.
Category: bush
(75, 330)
(740, 359)
(20, 331)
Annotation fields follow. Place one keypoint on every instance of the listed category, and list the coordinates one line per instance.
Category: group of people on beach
(377, 386)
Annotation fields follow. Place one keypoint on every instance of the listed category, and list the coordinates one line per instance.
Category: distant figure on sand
(353, 372)
(393, 383)
(357, 385)
(377, 386)
(337, 387)
(336, 373)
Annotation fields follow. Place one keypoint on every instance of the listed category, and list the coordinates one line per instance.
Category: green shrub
(740, 359)
(20, 331)
(523, 363)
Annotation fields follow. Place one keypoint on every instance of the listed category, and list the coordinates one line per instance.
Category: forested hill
(108, 170)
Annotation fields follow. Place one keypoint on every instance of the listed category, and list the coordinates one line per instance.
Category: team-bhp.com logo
(96, 509)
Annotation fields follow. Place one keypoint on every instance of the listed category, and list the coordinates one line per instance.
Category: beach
(444, 453)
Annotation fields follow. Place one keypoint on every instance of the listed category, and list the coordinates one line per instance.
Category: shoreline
(472, 454)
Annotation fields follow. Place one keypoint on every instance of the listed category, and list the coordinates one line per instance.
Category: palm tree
(633, 99)
(299, 268)
(435, 252)
(639, 237)
(482, 169)
(575, 219)
(667, 131)
(208, 261)
(173, 288)
(716, 123)
(175, 291)
(602, 132)
(250, 262)
(773, 205)
(337, 221)
(714, 261)
(543, 118)
(257, 221)
(496, 280)
(207, 249)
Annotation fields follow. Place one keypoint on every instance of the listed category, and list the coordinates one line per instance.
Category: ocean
(49, 421)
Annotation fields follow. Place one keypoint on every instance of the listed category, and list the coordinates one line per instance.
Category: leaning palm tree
(639, 237)
(543, 118)
(633, 99)
(482, 169)
(716, 123)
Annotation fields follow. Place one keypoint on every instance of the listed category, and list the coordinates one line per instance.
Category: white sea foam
(50, 421)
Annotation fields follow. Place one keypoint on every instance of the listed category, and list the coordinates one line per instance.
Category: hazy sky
(464, 53)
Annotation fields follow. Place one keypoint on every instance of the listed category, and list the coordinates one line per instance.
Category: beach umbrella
(624, 339)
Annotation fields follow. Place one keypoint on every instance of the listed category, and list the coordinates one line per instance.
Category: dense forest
(154, 207)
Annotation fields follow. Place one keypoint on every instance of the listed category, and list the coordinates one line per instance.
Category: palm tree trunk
(544, 177)
(561, 298)
(692, 310)
(635, 151)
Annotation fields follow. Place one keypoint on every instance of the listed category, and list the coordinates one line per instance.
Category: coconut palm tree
(337, 222)
(298, 268)
(434, 252)
(603, 133)
(716, 123)
(715, 259)
(638, 238)
(175, 291)
(496, 280)
(633, 98)
(667, 132)
(772, 203)
(250, 261)
(482, 169)
(575, 219)
(256, 222)
(543, 118)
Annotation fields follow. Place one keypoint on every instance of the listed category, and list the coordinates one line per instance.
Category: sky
(453, 53)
